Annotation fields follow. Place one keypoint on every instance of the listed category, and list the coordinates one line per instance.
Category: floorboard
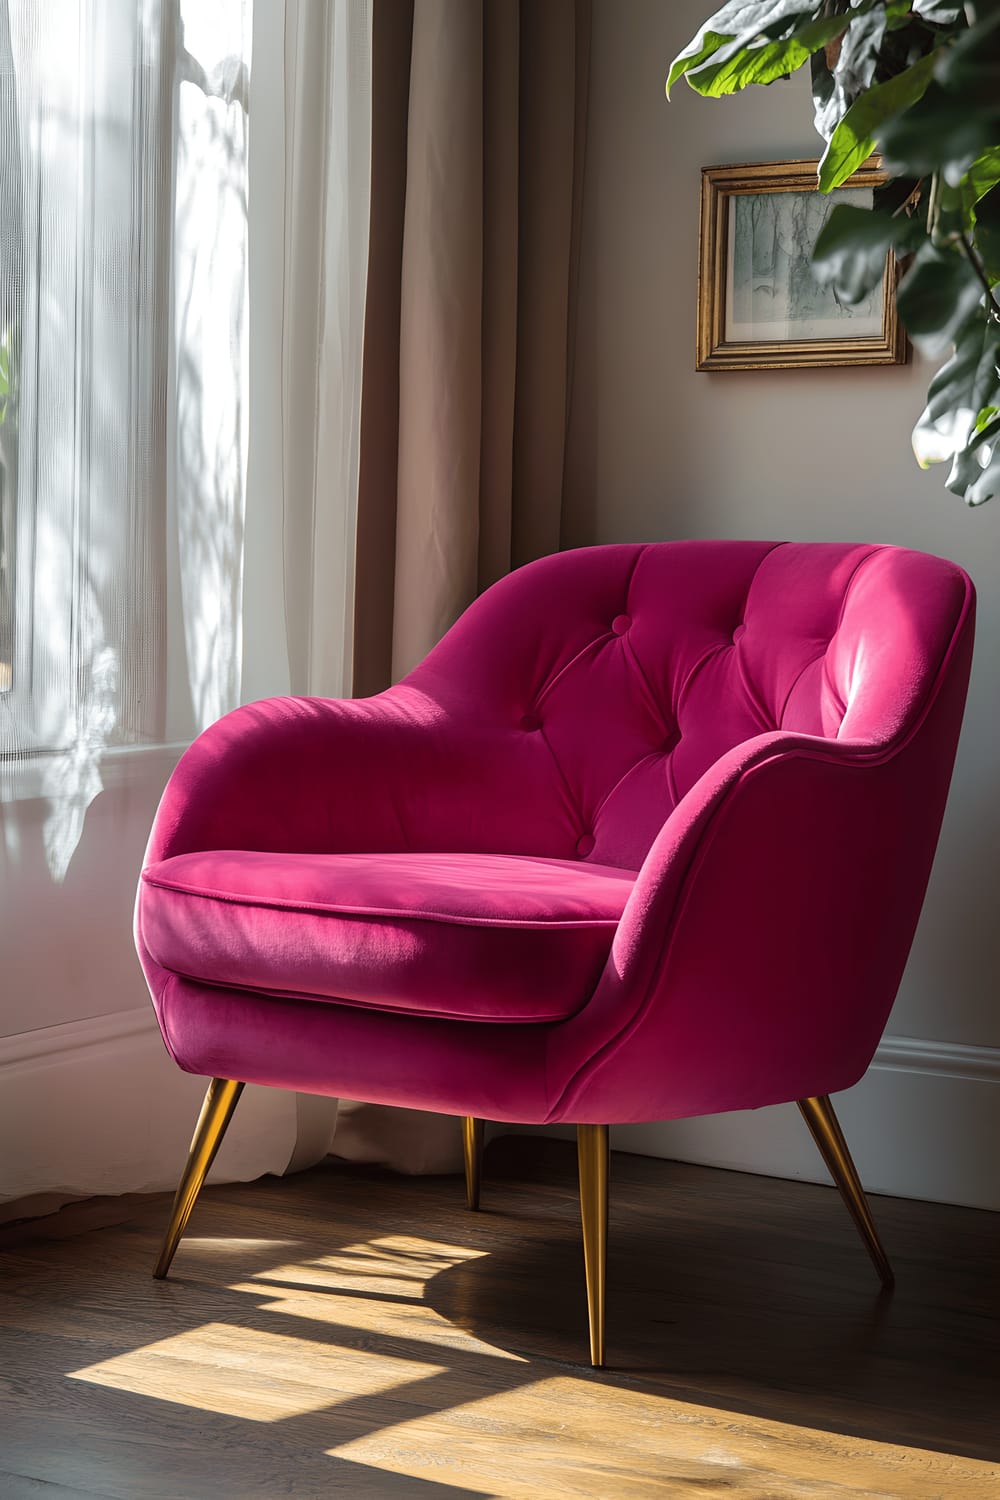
(347, 1332)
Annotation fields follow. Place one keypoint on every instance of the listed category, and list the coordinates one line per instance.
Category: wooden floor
(344, 1332)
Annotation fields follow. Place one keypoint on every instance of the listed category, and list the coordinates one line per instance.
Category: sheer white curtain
(183, 247)
(310, 182)
(85, 177)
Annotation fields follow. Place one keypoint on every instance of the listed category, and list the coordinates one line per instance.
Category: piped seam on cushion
(379, 1006)
(399, 913)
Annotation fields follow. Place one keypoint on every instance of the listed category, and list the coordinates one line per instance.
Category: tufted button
(585, 845)
(670, 741)
(531, 722)
(739, 632)
(620, 624)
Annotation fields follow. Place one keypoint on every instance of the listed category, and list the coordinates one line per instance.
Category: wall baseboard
(96, 1106)
(946, 1059)
(924, 1122)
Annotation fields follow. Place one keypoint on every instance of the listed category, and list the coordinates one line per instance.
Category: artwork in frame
(759, 304)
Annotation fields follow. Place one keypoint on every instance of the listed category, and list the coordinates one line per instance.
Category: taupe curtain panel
(479, 111)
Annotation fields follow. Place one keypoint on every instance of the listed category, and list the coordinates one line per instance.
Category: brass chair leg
(216, 1112)
(594, 1156)
(473, 1132)
(826, 1132)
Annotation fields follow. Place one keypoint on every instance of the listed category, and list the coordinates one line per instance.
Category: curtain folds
(479, 117)
(310, 174)
(479, 111)
(327, 153)
(309, 207)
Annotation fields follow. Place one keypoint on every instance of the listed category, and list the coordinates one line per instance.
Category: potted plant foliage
(919, 82)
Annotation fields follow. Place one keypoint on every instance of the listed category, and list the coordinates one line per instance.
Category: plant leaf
(855, 67)
(709, 44)
(986, 235)
(939, 133)
(740, 19)
(937, 11)
(835, 86)
(984, 173)
(936, 296)
(851, 248)
(970, 66)
(975, 471)
(829, 107)
(853, 141)
(966, 385)
(765, 62)
(986, 484)
(957, 207)
(896, 194)
(763, 53)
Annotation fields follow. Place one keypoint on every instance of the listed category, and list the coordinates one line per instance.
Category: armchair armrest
(403, 770)
(686, 835)
(302, 774)
(760, 952)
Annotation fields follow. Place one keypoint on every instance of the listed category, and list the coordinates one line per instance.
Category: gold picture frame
(759, 307)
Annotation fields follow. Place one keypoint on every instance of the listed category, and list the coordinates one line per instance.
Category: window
(122, 368)
(84, 292)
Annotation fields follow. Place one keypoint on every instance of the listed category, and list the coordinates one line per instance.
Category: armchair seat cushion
(478, 937)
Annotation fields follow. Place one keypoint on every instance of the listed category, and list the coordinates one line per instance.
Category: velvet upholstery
(646, 835)
(492, 937)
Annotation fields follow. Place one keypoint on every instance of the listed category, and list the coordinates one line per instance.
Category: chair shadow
(759, 1300)
(748, 1312)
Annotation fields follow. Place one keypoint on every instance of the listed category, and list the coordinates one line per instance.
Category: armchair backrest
(643, 665)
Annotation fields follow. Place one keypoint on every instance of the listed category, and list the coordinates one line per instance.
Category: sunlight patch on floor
(412, 1318)
(217, 1244)
(397, 1266)
(262, 1377)
(350, 1288)
(551, 1425)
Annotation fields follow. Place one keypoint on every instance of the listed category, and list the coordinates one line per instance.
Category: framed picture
(759, 304)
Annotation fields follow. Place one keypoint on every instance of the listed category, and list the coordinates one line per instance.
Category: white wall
(658, 451)
(90, 1102)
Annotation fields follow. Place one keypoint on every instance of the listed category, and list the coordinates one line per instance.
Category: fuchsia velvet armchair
(645, 836)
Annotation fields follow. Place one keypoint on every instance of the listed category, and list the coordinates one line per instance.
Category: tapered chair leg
(473, 1132)
(216, 1112)
(826, 1132)
(593, 1153)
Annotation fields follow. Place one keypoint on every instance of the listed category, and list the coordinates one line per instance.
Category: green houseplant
(918, 81)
